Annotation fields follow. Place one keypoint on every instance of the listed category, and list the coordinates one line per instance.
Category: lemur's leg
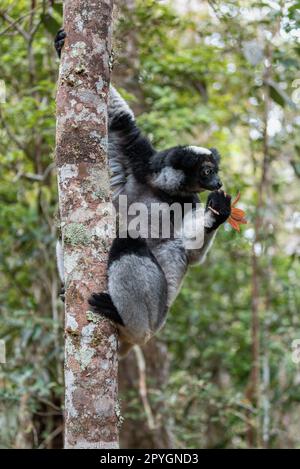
(108, 309)
(137, 299)
(220, 202)
(172, 258)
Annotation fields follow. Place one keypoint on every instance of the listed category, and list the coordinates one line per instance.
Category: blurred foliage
(222, 74)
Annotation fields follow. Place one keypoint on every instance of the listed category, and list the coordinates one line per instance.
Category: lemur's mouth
(210, 189)
(213, 187)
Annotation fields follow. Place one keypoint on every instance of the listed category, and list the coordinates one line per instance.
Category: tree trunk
(253, 392)
(91, 407)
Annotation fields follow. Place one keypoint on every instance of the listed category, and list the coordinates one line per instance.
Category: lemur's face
(200, 168)
(185, 169)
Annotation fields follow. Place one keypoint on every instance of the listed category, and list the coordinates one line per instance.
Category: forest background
(224, 372)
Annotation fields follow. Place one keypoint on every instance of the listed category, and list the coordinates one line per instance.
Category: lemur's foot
(59, 41)
(102, 303)
(219, 203)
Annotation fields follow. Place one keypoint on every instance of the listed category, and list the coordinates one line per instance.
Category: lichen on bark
(91, 420)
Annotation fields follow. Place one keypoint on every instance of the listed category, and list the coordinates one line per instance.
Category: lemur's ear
(215, 154)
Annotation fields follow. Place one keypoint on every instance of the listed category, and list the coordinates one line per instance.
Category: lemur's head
(186, 169)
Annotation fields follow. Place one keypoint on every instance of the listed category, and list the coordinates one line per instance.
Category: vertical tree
(91, 413)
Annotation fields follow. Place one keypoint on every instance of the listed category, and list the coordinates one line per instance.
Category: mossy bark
(91, 408)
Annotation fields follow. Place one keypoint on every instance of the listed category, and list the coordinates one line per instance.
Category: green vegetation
(225, 74)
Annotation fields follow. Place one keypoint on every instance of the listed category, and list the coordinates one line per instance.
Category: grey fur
(138, 290)
(173, 260)
(168, 179)
(117, 165)
(117, 105)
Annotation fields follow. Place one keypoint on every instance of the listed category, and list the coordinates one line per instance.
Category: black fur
(59, 41)
(62, 294)
(102, 303)
(216, 155)
(194, 166)
(221, 203)
(125, 246)
(135, 146)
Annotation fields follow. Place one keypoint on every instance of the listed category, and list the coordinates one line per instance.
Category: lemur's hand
(59, 41)
(220, 202)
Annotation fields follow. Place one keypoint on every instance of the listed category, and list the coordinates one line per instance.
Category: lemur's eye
(207, 171)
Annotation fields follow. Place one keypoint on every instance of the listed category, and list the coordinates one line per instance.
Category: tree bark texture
(91, 405)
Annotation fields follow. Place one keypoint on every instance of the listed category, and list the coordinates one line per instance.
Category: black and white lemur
(145, 274)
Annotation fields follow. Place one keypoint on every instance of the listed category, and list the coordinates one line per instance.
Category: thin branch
(143, 386)
(11, 135)
(34, 30)
(51, 437)
(36, 177)
(49, 403)
(14, 24)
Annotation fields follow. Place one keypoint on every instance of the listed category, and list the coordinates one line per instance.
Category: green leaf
(50, 23)
(278, 95)
(294, 7)
(58, 7)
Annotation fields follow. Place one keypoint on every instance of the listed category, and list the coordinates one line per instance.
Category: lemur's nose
(219, 185)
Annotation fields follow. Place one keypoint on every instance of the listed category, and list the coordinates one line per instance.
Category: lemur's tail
(102, 303)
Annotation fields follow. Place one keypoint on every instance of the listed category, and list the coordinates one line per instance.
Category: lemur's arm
(221, 203)
(133, 148)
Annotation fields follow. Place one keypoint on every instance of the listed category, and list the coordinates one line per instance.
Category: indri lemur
(145, 274)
